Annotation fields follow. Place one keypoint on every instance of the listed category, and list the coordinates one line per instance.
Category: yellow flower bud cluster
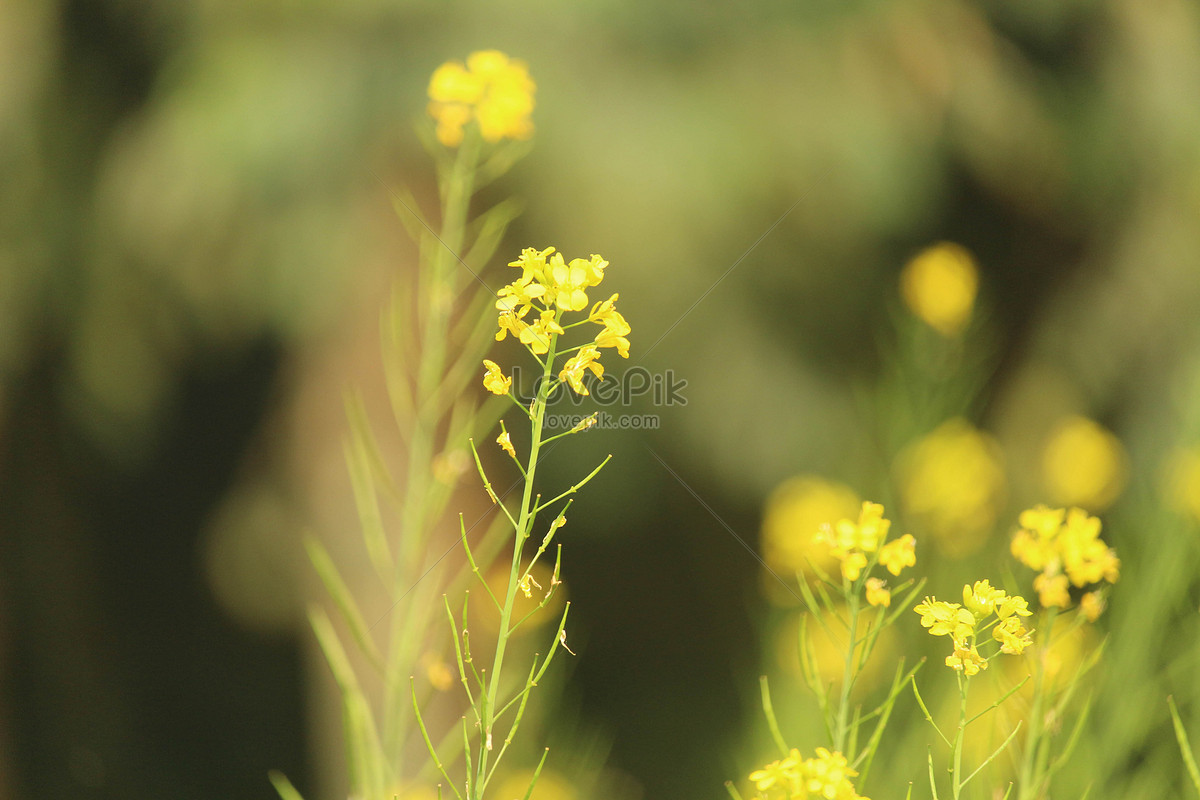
(491, 88)
(964, 623)
(827, 775)
(1066, 548)
(854, 543)
(550, 287)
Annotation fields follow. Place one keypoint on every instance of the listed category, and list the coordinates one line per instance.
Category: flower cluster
(796, 778)
(855, 543)
(490, 88)
(531, 308)
(1065, 547)
(965, 623)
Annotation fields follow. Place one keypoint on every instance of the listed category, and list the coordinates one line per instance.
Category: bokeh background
(196, 240)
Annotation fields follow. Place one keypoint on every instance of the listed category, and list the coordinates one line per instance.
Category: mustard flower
(1092, 605)
(495, 381)
(490, 88)
(781, 772)
(517, 297)
(510, 323)
(981, 598)
(611, 337)
(1053, 590)
(852, 565)
(898, 554)
(828, 775)
(573, 371)
(966, 659)
(1065, 547)
(946, 619)
(939, 286)
(877, 593)
(1012, 636)
(506, 444)
(537, 336)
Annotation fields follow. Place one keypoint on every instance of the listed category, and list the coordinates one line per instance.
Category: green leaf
(1185, 747)
(283, 786)
(365, 759)
(342, 596)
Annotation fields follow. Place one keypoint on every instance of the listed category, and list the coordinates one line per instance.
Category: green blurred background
(197, 239)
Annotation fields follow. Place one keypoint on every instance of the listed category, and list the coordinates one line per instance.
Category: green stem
(524, 526)
(434, 296)
(842, 729)
(960, 735)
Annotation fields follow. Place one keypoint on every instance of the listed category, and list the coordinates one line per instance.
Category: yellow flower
(537, 336)
(946, 619)
(794, 513)
(1066, 548)
(898, 554)
(605, 313)
(877, 593)
(981, 598)
(495, 381)
(532, 263)
(609, 337)
(1052, 590)
(1013, 604)
(867, 533)
(828, 776)
(1092, 605)
(939, 286)
(952, 484)
(517, 297)
(782, 772)
(506, 444)
(1083, 464)
(491, 88)
(567, 283)
(966, 659)
(1012, 636)
(1181, 480)
(576, 366)
(852, 565)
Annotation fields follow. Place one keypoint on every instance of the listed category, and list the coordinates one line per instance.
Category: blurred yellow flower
(952, 484)
(899, 553)
(1083, 464)
(505, 442)
(550, 785)
(525, 606)
(794, 513)
(939, 286)
(440, 676)
(1182, 481)
(850, 541)
(878, 593)
(1066, 548)
(826, 775)
(828, 651)
(491, 88)
(495, 381)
